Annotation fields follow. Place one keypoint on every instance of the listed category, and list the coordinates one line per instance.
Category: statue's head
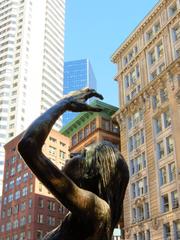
(101, 169)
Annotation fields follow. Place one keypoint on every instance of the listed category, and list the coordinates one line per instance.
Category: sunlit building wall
(148, 76)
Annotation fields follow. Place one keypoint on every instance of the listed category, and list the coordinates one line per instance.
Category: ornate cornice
(147, 46)
(139, 30)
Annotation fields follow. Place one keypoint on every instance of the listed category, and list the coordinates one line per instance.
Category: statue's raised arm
(92, 192)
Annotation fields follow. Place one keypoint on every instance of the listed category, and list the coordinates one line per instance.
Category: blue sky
(94, 29)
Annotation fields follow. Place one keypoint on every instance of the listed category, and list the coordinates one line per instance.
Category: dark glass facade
(77, 74)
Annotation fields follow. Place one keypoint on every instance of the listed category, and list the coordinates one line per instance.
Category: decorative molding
(128, 233)
(117, 55)
(155, 223)
(177, 96)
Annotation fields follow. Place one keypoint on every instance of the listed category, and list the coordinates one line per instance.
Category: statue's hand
(76, 100)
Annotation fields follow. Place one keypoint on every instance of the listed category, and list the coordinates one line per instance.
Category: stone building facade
(148, 75)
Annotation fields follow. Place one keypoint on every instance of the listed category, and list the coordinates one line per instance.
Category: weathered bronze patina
(92, 184)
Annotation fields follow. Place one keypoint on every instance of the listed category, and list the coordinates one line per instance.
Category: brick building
(28, 209)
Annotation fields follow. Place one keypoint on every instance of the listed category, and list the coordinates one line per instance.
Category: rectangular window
(106, 124)
(158, 124)
(160, 50)
(169, 144)
(167, 119)
(80, 135)
(152, 57)
(176, 33)
(176, 226)
(172, 171)
(167, 231)
(86, 131)
(163, 176)
(160, 150)
(93, 125)
(172, 9)
(74, 140)
(174, 199)
(40, 218)
(165, 203)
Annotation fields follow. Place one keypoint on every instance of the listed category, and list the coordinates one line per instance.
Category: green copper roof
(85, 117)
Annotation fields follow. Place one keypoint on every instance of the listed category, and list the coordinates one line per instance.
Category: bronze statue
(92, 184)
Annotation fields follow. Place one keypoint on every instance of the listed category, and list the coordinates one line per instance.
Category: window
(160, 150)
(86, 131)
(167, 119)
(22, 221)
(15, 224)
(12, 172)
(11, 184)
(24, 191)
(106, 124)
(41, 202)
(172, 9)
(93, 125)
(169, 144)
(51, 221)
(172, 171)
(52, 139)
(163, 95)
(23, 206)
(19, 167)
(18, 180)
(40, 218)
(115, 128)
(155, 101)
(174, 199)
(152, 57)
(158, 124)
(167, 231)
(10, 198)
(150, 34)
(176, 226)
(176, 33)
(25, 177)
(30, 203)
(80, 135)
(165, 203)
(62, 154)
(163, 176)
(51, 206)
(39, 234)
(74, 140)
(130, 144)
(160, 50)
(52, 150)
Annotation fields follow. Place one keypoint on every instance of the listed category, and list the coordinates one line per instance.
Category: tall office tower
(77, 74)
(148, 74)
(28, 210)
(31, 63)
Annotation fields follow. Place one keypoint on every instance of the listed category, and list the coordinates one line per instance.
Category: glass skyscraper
(77, 74)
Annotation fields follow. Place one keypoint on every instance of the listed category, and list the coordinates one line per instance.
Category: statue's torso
(82, 228)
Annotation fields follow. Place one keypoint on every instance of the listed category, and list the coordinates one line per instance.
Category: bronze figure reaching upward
(92, 184)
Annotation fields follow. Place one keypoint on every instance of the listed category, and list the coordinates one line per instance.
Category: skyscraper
(77, 74)
(31, 63)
